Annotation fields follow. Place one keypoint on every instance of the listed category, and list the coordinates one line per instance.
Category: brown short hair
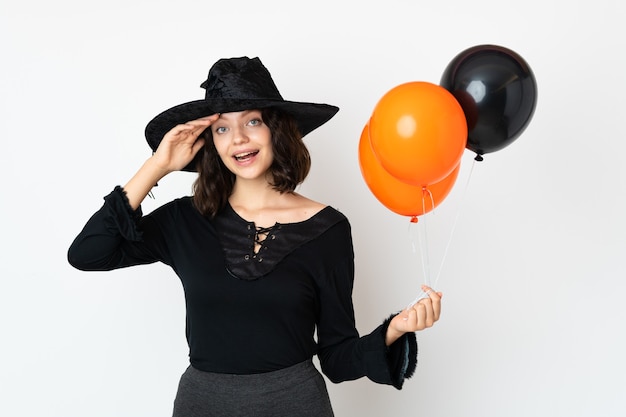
(290, 167)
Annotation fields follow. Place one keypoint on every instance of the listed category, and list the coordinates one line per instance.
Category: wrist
(156, 168)
(392, 333)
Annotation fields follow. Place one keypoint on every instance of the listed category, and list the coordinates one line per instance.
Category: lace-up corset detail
(262, 234)
(251, 252)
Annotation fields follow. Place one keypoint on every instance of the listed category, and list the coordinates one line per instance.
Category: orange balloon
(418, 132)
(398, 196)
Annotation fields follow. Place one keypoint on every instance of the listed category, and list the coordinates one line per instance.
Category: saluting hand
(181, 144)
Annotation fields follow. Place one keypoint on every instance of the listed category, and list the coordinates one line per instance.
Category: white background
(534, 278)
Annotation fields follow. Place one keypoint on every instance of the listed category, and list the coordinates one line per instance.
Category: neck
(254, 195)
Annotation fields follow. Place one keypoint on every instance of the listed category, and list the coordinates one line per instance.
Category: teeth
(244, 155)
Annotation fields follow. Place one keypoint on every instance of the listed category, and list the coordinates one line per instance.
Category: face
(243, 141)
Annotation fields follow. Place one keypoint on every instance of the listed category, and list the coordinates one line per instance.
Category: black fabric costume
(252, 312)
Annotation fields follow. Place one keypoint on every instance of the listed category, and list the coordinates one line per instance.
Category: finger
(193, 127)
(188, 131)
(429, 318)
(197, 145)
(430, 293)
(417, 317)
(435, 299)
(204, 121)
(200, 125)
(197, 130)
(211, 117)
(181, 131)
(413, 315)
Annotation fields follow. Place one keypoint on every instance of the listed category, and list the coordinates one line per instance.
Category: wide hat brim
(308, 116)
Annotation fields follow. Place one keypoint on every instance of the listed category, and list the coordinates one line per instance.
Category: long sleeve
(344, 355)
(116, 237)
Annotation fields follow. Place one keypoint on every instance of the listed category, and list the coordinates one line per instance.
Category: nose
(239, 136)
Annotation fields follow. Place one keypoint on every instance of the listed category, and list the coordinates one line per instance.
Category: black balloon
(498, 93)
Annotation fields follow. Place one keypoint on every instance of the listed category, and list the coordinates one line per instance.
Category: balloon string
(445, 254)
(454, 224)
(414, 234)
(425, 190)
(423, 242)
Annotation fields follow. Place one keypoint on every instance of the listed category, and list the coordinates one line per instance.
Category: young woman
(267, 273)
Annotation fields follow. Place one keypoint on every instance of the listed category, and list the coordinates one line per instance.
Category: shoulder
(177, 204)
(333, 226)
(332, 245)
(174, 209)
(302, 208)
(312, 211)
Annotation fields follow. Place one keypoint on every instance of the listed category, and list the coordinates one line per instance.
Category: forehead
(239, 114)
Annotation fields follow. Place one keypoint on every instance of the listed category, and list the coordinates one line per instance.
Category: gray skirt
(299, 390)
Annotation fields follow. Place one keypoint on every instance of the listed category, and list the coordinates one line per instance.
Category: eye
(255, 122)
(220, 129)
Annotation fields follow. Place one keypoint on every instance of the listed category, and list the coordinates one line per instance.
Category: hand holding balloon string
(420, 316)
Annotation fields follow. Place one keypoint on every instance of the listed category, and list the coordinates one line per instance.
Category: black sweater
(252, 312)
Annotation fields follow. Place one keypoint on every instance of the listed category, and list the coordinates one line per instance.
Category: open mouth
(245, 156)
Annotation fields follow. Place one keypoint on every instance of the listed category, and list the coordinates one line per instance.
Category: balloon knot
(414, 219)
(478, 158)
